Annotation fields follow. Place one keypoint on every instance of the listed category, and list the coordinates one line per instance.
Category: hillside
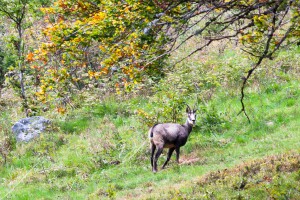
(104, 72)
(100, 149)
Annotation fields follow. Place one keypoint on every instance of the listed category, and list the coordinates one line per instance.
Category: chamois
(171, 136)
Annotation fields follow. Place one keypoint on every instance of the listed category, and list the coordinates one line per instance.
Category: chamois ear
(195, 110)
(188, 109)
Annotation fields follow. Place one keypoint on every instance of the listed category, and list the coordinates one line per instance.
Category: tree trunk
(21, 68)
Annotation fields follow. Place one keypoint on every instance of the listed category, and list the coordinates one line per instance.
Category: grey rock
(28, 128)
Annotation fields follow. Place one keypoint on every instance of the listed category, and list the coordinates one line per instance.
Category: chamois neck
(188, 127)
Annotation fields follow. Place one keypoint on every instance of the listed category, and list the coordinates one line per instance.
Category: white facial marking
(192, 118)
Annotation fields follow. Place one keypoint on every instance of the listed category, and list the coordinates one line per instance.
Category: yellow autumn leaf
(97, 18)
(61, 110)
(102, 48)
(91, 74)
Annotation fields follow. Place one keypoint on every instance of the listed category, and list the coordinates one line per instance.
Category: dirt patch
(188, 160)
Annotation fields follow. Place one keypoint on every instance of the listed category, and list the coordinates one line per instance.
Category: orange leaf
(30, 57)
(61, 110)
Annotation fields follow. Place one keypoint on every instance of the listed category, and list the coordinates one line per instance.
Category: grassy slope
(101, 151)
(239, 144)
(68, 169)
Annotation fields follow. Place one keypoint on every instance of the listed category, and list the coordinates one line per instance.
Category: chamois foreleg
(168, 157)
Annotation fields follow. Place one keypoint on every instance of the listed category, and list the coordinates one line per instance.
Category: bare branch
(263, 56)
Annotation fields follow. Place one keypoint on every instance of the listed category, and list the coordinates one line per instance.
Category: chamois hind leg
(153, 147)
(168, 157)
(177, 154)
(159, 151)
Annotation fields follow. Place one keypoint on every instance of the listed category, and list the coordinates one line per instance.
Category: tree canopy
(122, 43)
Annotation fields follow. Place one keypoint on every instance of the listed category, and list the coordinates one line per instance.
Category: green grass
(107, 156)
(101, 150)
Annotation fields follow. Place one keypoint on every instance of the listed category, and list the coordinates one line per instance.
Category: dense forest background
(104, 72)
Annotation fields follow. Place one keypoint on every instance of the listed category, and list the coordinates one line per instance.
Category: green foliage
(100, 148)
(7, 60)
(212, 120)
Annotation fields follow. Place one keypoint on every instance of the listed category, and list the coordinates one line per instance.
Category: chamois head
(191, 115)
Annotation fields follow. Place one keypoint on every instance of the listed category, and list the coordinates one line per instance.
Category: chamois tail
(151, 131)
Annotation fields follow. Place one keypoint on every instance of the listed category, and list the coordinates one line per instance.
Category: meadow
(100, 148)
